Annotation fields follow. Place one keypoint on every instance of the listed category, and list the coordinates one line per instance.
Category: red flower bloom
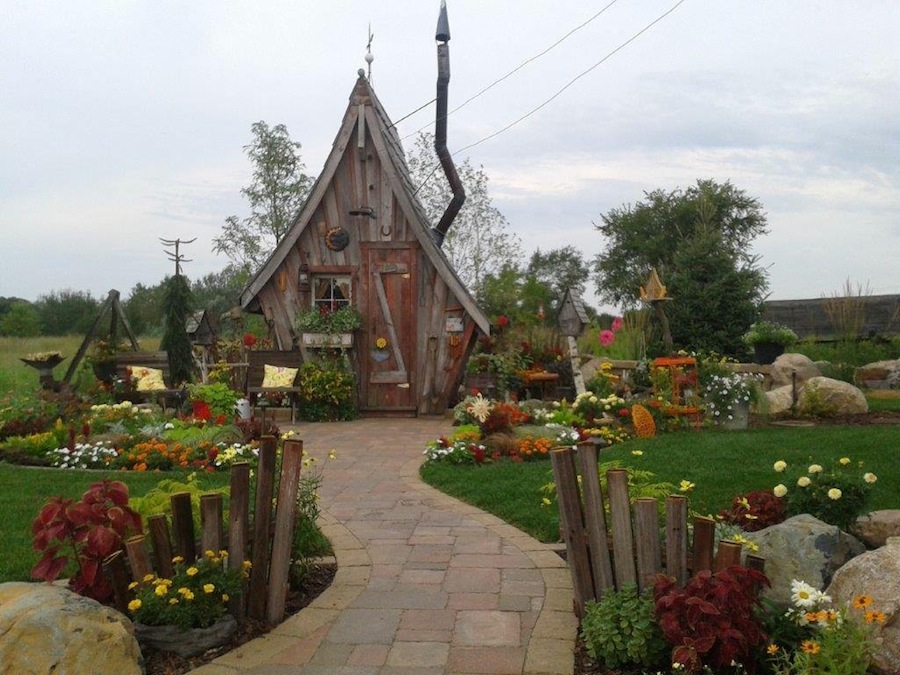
(617, 324)
(607, 337)
(249, 340)
(503, 321)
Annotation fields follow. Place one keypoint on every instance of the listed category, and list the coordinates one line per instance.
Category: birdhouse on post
(572, 318)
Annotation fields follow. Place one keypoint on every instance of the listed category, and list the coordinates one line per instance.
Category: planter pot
(328, 340)
(740, 418)
(486, 383)
(105, 371)
(765, 353)
(185, 642)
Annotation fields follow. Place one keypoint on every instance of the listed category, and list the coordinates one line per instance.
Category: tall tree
(175, 340)
(479, 242)
(22, 320)
(678, 233)
(558, 270)
(276, 194)
(66, 312)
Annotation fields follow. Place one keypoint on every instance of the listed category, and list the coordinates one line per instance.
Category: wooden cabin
(362, 238)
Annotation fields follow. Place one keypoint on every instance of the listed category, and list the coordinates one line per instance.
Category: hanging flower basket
(186, 642)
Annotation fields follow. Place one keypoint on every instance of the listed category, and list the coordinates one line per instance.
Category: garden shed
(363, 239)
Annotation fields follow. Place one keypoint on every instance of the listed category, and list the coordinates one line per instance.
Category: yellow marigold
(225, 597)
(208, 588)
(173, 601)
(644, 426)
(161, 590)
(149, 577)
(191, 571)
(810, 647)
(177, 559)
(132, 585)
(134, 605)
(772, 649)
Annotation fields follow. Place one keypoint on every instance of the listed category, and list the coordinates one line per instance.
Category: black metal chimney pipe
(442, 35)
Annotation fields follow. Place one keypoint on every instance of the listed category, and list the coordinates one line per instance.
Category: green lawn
(721, 464)
(23, 491)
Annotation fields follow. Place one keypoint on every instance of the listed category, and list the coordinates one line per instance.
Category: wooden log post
(139, 557)
(211, 522)
(676, 538)
(563, 464)
(756, 562)
(729, 554)
(238, 527)
(286, 512)
(646, 535)
(162, 545)
(184, 543)
(704, 544)
(623, 539)
(259, 572)
(595, 519)
(117, 572)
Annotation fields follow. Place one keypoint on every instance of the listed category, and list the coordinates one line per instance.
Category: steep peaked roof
(390, 153)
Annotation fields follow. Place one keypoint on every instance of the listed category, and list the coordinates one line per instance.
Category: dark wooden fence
(628, 548)
(266, 542)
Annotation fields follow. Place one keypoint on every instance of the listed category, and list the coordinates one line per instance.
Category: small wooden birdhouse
(572, 318)
(653, 290)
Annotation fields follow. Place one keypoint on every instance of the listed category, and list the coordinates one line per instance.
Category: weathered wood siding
(810, 320)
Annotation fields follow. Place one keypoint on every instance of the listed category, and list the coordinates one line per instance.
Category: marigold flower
(225, 597)
(779, 466)
(209, 588)
(132, 585)
(637, 453)
(177, 559)
(134, 605)
(686, 486)
(191, 571)
(810, 647)
(870, 477)
(149, 577)
(844, 461)
(815, 468)
(834, 494)
(772, 649)
(779, 490)
(161, 590)
(173, 601)
(803, 481)
(246, 565)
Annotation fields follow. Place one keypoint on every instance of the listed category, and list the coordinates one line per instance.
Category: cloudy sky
(123, 122)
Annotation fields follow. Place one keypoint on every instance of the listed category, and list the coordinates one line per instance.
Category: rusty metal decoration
(337, 238)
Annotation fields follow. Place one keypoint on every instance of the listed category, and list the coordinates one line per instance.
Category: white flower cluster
(236, 452)
(565, 435)
(82, 456)
(459, 451)
(724, 392)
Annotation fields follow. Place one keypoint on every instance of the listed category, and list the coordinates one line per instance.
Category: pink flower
(617, 324)
(607, 337)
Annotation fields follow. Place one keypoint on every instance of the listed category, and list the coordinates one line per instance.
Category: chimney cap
(442, 34)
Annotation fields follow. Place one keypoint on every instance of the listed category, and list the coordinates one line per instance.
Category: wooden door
(387, 348)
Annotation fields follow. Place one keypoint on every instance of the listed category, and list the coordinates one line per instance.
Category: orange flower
(810, 647)
(862, 601)
(772, 649)
(644, 426)
(874, 616)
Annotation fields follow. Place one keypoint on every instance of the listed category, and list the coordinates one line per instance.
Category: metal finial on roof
(442, 34)
(369, 55)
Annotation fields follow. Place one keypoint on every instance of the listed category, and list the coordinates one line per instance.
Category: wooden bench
(126, 361)
(257, 361)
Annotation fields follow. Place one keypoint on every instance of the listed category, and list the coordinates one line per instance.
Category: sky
(123, 122)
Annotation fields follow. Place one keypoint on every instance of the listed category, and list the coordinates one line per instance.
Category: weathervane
(369, 56)
(176, 257)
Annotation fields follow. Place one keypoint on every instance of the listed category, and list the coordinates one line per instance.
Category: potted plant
(103, 359)
(213, 401)
(768, 340)
(325, 327)
(728, 396)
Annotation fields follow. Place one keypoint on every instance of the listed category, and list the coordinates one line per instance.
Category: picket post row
(269, 548)
(605, 555)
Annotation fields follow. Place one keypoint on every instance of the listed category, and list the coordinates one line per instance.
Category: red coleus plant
(86, 532)
(711, 621)
(755, 510)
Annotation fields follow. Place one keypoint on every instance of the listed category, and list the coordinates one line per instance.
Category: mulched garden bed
(164, 663)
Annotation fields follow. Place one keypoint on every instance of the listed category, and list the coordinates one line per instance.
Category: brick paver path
(425, 584)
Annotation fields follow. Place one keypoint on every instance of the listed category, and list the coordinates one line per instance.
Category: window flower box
(328, 340)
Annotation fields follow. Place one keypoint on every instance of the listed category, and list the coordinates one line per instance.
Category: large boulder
(825, 396)
(787, 364)
(874, 529)
(780, 400)
(876, 574)
(805, 548)
(879, 375)
(46, 628)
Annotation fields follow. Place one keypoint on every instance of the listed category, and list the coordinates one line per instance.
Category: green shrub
(159, 500)
(620, 629)
(327, 391)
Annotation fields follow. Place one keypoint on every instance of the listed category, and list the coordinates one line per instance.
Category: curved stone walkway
(425, 585)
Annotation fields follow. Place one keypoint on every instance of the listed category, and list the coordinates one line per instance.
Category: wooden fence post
(729, 554)
(676, 538)
(563, 464)
(183, 527)
(286, 511)
(138, 556)
(238, 527)
(620, 514)
(646, 534)
(595, 519)
(704, 544)
(211, 522)
(262, 518)
(162, 546)
(117, 572)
